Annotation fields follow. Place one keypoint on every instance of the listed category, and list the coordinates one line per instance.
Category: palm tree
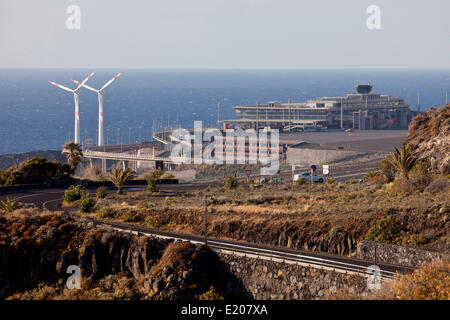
(404, 160)
(119, 177)
(73, 152)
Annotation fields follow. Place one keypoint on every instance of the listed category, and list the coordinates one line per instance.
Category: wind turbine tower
(100, 93)
(76, 94)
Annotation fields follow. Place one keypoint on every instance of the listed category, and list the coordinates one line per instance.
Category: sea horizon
(38, 116)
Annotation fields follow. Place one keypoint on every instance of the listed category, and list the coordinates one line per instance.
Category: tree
(74, 153)
(404, 160)
(37, 170)
(119, 177)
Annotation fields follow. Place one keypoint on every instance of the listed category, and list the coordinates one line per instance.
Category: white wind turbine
(100, 93)
(76, 93)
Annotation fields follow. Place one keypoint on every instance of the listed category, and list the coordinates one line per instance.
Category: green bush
(230, 182)
(86, 205)
(106, 213)
(385, 231)
(74, 193)
(331, 180)
(417, 240)
(151, 185)
(36, 170)
(101, 192)
(127, 216)
(387, 169)
(152, 222)
(351, 181)
(300, 181)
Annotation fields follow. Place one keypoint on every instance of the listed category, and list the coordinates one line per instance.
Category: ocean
(38, 116)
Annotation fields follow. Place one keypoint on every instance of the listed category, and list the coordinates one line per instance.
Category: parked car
(307, 176)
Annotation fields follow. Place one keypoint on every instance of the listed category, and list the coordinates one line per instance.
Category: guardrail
(270, 253)
(313, 261)
(127, 156)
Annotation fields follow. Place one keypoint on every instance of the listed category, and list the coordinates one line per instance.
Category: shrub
(211, 294)
(417, 240)
(300, 181)
(106, 213)
(352, 181)
(168, 176)
(331, 180)
(101, 192)
(420, 181)
(400, 186)
(10, 205)
(127, 216)
(151, 185)
(429, 282)
(372, 176)
(152, 222)
(230, 182)
(386, 231)
(86, 205)
(73, 193)
(437, 185)
(387, 169)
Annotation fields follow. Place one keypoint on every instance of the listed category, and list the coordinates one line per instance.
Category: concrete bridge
(133, 158)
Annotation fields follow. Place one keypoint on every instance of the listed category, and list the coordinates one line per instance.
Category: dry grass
(304, 214)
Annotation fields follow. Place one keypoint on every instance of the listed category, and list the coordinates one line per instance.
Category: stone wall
(266, 279)
(306, 156)
(395, 254)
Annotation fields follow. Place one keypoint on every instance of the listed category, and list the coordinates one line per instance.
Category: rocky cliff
(429, 134)
(36, 249)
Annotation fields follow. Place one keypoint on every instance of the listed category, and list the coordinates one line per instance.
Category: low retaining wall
(266, 279)
(395, 254)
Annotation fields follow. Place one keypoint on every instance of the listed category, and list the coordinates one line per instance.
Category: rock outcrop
(429, 134)
(37, 250)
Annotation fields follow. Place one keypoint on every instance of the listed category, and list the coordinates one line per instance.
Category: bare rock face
(39, 249)
(429, 134)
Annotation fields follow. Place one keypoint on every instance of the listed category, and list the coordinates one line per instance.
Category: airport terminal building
(363, 110)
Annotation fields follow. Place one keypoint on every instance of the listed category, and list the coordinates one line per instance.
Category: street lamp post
(206, 221)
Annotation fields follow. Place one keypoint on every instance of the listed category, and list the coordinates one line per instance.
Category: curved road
(50, 199)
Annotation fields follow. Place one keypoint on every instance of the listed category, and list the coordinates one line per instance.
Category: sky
(224, 34)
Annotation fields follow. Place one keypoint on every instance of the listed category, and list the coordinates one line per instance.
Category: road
(50, 199)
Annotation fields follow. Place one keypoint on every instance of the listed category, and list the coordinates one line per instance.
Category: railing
(126, 156)
(281, 255)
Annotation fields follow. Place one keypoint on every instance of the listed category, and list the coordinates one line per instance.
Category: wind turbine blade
(84, 81)
(88, 77)
(80, 84)
(111, 81)
(61, 87)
